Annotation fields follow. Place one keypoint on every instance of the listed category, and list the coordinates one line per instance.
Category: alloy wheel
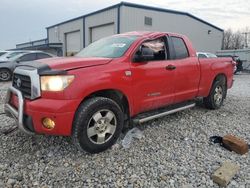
(101, 127)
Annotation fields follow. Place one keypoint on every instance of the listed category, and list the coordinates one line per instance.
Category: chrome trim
(34, 78)
(165, 113)
(12, 112)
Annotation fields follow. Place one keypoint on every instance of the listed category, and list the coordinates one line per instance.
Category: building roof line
(142, 7)
(86, 15)
(33, 41)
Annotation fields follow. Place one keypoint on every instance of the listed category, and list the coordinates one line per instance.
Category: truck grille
(22, 83)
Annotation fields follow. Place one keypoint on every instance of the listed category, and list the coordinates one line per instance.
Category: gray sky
(25, 20)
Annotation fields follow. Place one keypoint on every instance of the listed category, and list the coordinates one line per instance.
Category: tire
(5, 75)
(97, 124)
(217, 94)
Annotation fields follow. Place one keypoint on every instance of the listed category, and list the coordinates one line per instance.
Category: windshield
(11, 55)
(16, 56)
(1, 53)
(110, 47)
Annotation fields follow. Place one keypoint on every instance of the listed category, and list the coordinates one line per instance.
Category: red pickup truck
(131, 77)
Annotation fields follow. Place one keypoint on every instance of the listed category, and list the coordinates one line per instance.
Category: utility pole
(246, 38)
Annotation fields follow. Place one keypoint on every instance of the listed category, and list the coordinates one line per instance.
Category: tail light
(234, 65)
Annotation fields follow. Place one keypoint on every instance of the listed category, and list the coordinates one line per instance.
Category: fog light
(48, 123)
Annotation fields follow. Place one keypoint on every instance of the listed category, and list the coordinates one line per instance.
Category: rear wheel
(97, 125)
(5, 75)
(217, 94)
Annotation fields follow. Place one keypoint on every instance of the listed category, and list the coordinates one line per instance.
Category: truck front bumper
(17, 114)
(29, 114)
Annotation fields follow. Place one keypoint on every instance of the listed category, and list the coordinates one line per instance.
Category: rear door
(153, 85)
(187, 70)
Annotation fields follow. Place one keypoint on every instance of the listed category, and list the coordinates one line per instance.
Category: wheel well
(116, 96)
(5, 68)
(219, 77)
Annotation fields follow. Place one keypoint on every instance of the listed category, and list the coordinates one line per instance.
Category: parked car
(205, 55)
(7, 66)
(10, 54)
(131, 77)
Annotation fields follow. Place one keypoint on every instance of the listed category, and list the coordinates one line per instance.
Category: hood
(4, 61)
(50, 65)
(69, 63)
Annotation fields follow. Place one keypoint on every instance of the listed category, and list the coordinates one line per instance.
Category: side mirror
(18, 60)
(144, 54)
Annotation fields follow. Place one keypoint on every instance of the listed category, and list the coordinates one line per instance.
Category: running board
(140, 120)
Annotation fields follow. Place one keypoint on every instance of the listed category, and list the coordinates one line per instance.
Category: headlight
(56, 83)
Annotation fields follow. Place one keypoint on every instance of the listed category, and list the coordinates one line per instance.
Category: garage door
(73, 43)
(102, 31)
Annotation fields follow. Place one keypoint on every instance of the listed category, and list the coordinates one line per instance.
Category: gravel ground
(174, 151)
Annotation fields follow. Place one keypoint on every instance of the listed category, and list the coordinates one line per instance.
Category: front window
(156, 47)
(11, 55)
(110, 47)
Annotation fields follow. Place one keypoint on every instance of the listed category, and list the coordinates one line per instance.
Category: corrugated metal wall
(103, 18)
(133, 19)
(58, 33)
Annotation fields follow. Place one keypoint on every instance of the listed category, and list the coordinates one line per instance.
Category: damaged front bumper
(17, 114)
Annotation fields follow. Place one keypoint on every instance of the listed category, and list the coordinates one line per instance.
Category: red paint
(192, 78)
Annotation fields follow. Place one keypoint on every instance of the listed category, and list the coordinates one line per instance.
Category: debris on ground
(231, 143)
(223, 175)
(235, 144)
(133, 133)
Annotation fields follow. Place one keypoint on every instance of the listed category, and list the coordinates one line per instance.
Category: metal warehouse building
(79, 32)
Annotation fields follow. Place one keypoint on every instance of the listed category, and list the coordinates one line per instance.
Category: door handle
(170, 67)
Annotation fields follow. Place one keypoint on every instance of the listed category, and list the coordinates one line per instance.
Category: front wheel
(217, 95)
(97, 124)
(5, 75)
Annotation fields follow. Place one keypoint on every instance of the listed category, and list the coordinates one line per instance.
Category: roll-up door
(102, 31)
(73, 43)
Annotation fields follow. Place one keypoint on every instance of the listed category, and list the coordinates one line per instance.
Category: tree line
(236, 39)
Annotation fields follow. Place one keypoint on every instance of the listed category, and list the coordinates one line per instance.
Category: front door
(153, 83)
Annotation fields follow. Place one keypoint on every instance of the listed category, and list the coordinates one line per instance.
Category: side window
(28, 57)
(42, 56)
(156, 47)
(180, 48)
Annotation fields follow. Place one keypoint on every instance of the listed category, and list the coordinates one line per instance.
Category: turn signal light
(48, 123)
